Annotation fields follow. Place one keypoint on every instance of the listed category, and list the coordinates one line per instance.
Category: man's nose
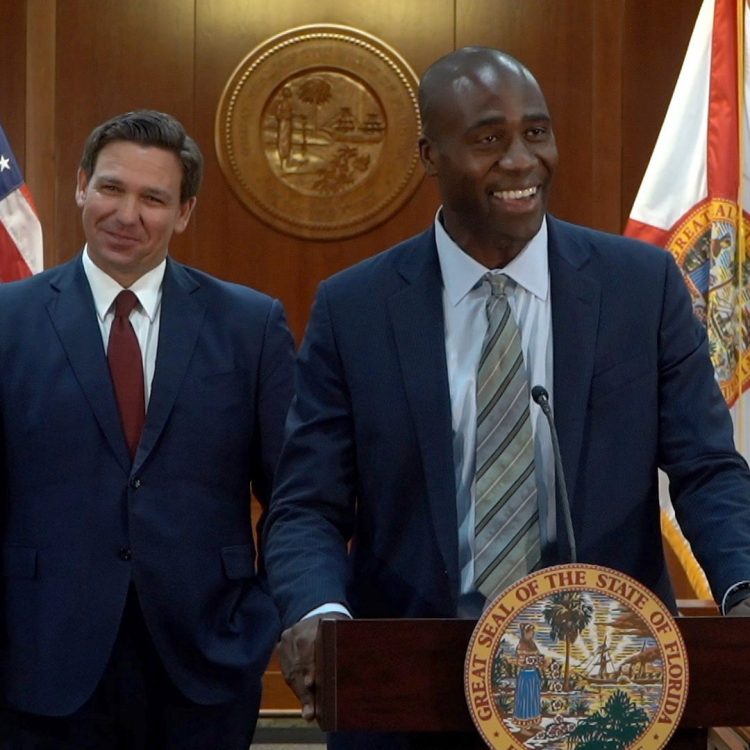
(518, 156)
(127, 209)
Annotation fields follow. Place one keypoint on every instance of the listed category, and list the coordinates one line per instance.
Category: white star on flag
(4, 163)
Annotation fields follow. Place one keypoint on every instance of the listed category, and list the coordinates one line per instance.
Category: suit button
(125, 553)
(135, 483)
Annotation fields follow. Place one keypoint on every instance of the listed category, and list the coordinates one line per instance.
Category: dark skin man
(488, 141)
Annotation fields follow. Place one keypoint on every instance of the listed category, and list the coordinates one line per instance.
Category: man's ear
(82, 183)
(183, 218)
(428, 153)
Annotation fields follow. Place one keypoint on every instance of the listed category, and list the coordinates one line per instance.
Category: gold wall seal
(317, 131)
(576, 656)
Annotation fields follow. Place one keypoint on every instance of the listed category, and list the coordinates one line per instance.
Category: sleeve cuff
(734, 595)
(325, 609)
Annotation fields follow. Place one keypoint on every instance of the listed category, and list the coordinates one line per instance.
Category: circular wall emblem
(576, 656)
(317, 131)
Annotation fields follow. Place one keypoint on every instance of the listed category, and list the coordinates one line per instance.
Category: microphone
(541, 397)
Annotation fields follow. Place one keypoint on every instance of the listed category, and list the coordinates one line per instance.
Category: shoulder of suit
(610, 247)
(383, 264)
(214, 286)
(25, 290)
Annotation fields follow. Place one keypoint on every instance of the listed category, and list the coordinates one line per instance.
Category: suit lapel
(73, 316)
(182, 313)
(417, 318)
(575, 317)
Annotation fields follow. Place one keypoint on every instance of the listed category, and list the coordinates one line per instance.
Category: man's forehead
(131, 151)
(484, 91)
(491, 75)
(135, 156)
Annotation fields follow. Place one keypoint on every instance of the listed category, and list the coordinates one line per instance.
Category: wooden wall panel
(41, 77)
(241, 246)
(13, 75)
(655, 39)
(605, 118)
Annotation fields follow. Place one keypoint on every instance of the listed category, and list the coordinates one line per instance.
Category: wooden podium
(407, 676)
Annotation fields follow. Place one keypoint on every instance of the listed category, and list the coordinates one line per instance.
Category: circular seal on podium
(317, 129)
(576, 657)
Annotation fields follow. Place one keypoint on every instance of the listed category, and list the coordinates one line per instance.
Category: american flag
(20, 231)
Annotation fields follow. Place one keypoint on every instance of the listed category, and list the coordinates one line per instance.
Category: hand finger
(296, 655)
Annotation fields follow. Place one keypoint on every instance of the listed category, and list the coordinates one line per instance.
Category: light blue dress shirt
(466, 323)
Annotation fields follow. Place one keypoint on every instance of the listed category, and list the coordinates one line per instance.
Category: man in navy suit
(380, 447)
(132, 609)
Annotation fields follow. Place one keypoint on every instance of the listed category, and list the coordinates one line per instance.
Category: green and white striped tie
(506, 528)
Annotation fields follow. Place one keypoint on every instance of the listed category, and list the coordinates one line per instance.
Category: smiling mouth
(515, 195)
(118, 237)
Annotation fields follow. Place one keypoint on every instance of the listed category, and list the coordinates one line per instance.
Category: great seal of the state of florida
(317, 129)
(576, 656)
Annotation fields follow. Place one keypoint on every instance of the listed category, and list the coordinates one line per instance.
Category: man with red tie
(140, 402)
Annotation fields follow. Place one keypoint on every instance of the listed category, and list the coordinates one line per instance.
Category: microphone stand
(541, 397)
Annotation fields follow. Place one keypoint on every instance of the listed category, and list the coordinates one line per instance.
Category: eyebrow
(501, 120)
(155, 191)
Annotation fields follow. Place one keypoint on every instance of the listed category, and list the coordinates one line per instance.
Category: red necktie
(126, 368)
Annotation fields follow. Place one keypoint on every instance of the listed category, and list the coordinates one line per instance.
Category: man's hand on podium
(741, 609)
(297, 657)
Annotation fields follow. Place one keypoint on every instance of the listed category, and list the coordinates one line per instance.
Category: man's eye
(109, 188)
(155, 199)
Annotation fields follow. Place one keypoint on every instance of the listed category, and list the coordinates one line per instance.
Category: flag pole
(741, 291)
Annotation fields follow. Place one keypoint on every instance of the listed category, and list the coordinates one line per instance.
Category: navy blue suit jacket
(368, 454)
(71, 501)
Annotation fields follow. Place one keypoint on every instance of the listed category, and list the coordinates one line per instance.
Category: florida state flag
(694, 193)
(693, 197)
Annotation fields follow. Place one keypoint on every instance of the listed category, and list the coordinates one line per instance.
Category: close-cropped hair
(149, 128)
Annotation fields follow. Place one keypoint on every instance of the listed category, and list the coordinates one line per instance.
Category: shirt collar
(461, 273)
(104, 288)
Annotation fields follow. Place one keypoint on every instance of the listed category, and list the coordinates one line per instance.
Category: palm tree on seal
(567, 613)
(315, 91)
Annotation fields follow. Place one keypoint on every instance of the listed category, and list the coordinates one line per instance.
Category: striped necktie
(506, 530)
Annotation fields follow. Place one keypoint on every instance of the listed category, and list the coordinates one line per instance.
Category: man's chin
(518, 230)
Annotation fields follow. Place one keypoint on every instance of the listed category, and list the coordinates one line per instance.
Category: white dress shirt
(144, 317)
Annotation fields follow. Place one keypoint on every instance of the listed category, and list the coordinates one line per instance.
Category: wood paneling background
(607, 67)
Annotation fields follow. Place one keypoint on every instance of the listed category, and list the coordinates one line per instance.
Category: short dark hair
(151, 128)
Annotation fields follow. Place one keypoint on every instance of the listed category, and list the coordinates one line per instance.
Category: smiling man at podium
(418, 477)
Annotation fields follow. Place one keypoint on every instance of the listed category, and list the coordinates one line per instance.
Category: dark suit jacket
(80, 524)
(369, 455)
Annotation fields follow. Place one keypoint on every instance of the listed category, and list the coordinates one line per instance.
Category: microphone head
(539, 394)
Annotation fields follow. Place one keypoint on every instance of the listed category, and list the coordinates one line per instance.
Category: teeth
(515, 194)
